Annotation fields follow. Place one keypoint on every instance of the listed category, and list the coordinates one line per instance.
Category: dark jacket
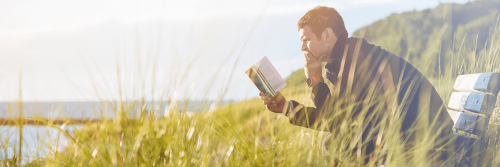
(372, 86)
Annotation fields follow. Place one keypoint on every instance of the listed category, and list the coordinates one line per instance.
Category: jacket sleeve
(312, 117)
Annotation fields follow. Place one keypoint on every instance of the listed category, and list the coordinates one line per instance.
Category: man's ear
(328, 34)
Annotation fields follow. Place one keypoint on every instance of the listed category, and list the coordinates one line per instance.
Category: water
(39, 140)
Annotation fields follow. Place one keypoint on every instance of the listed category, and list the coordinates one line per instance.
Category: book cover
(265, 77)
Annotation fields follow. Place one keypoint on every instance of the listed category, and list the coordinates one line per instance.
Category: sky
(192, 49)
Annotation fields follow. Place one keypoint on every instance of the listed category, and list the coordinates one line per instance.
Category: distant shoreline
(93, 109)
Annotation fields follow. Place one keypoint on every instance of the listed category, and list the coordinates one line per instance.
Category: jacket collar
(332, 66)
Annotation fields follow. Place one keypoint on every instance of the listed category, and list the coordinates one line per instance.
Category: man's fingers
(310, 57)
(277, 98)
(306, 57)
(272, 102)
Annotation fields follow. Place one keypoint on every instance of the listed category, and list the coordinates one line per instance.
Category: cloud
(72, 17)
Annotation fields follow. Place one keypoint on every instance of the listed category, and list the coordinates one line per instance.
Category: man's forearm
(319, 94)
(310, 117)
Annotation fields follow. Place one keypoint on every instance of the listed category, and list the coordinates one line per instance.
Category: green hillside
(435, 35)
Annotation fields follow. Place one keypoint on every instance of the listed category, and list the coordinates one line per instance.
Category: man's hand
(312, 66)
(274, 104)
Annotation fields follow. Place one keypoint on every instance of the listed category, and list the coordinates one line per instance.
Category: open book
(265, 77)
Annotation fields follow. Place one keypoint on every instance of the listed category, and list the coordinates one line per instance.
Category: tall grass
(246, 134)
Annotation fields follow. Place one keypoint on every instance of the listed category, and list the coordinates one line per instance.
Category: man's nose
(304, 47)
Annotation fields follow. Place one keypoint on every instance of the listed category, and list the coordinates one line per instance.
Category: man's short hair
(321, 17)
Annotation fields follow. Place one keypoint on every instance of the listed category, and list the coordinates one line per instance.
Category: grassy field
(246, 134)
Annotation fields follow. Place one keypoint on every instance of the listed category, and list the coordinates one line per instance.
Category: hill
(435, 35)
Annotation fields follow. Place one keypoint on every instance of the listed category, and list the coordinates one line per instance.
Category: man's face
(315, 45)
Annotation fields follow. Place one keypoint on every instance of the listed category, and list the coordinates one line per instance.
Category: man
(371, 88)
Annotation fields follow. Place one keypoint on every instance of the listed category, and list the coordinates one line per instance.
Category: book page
(271, 74)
